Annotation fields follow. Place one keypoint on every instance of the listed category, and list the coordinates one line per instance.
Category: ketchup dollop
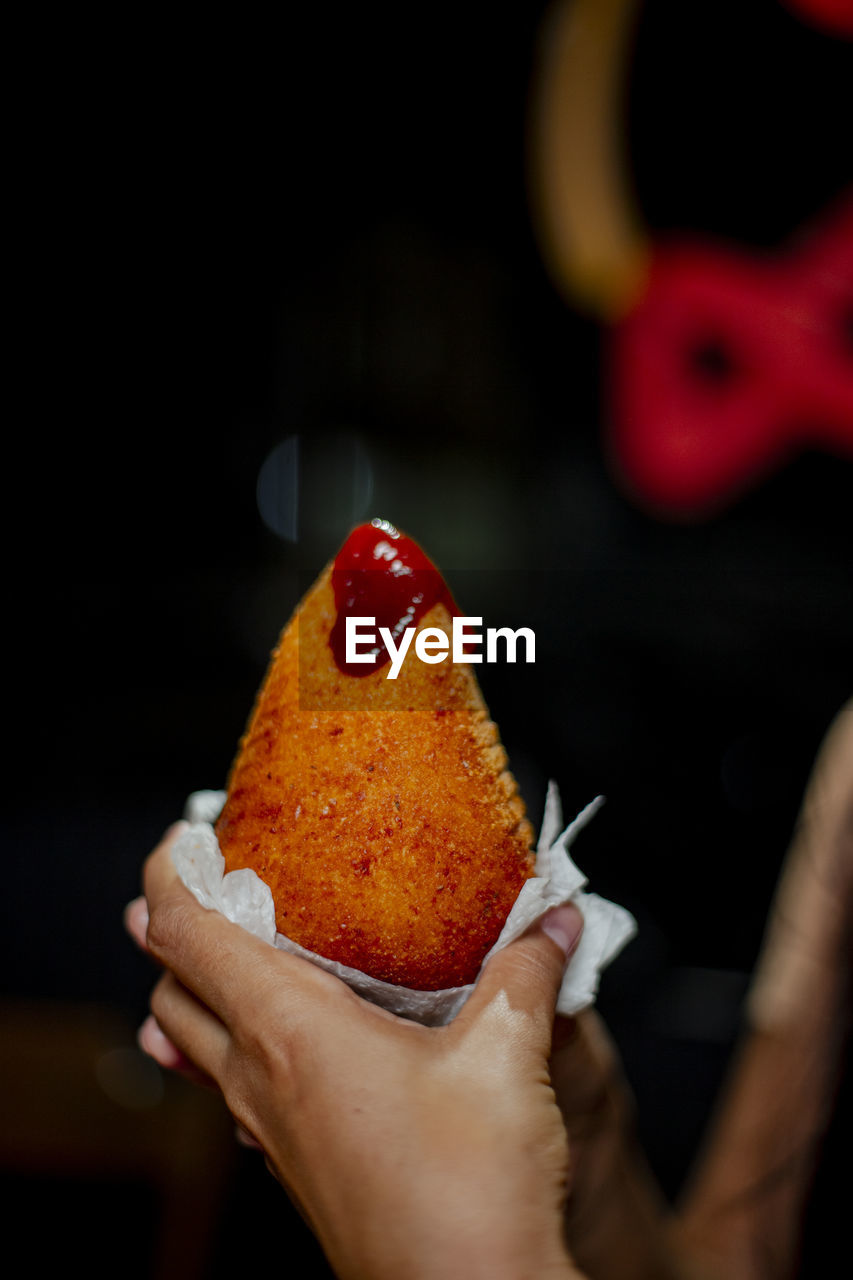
(380, 573)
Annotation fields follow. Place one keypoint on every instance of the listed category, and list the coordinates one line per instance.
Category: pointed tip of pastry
(380, 812)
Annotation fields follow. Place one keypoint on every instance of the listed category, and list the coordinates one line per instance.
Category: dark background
(234, 231)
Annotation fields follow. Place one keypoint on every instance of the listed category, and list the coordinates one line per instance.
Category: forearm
(744, 1208)
(745, 1205)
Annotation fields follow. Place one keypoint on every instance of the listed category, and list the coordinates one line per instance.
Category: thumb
(527, 974)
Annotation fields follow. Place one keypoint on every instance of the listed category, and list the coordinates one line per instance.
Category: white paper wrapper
(244, 898)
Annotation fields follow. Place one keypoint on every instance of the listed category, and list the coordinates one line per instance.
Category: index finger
(223, 965)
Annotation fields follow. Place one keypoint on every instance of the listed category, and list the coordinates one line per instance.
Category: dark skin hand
(503, 1144)
(425, 1152)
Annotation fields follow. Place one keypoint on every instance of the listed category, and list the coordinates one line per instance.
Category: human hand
(741, 1214)
(425, 1152)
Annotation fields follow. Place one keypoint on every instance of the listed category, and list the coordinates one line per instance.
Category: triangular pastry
(380, 812)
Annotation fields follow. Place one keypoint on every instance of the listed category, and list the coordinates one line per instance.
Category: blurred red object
(832, 16)
(730, 363)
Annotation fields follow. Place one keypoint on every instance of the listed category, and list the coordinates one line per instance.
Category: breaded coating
(380, 812)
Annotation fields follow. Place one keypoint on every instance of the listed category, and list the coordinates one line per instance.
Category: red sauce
(380, 573)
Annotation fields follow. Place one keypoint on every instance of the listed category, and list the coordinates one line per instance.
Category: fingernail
(158, 1046)
(136, 920)
(563, 925)
(245, 1139)
(149, 1037)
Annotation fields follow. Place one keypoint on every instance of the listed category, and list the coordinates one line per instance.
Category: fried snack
(380, 812)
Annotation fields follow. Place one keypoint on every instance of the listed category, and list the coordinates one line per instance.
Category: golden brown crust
(380, 813)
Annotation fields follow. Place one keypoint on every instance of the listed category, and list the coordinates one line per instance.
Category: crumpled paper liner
(246, 900)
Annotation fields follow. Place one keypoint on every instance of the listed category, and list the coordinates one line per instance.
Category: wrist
(448, 1254)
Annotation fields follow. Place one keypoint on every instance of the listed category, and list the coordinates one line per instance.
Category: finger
(185, 1025)
(229, 969)
(246, 1140)
(135, 915)
(620, 1233)
(587, 1076)
(136, 922)
(159, 873)
(519, 985)
(153, 1041)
